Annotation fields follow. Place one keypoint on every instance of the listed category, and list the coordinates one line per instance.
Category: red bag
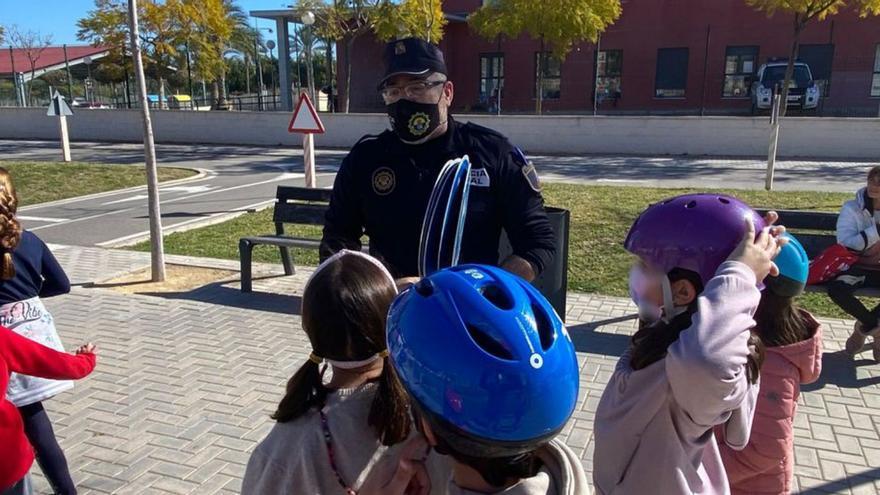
(831, 263)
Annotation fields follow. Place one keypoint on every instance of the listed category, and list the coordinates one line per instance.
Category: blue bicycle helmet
(485, 358)
(794, 267)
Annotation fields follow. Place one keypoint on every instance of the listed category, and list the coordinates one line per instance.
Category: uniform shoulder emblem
(528, 169)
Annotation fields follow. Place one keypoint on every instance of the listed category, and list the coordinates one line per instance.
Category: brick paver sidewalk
(186, 383)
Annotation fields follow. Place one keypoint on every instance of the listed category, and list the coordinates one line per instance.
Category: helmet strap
(670, 310)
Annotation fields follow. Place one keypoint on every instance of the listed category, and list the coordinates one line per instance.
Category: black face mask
(413, 121)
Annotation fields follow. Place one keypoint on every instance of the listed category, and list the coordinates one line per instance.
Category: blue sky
(58, 17)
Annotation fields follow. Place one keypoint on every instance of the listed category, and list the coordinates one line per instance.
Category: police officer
(383, 186)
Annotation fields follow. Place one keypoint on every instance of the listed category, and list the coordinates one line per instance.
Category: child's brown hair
(344, 309)
(10, 228)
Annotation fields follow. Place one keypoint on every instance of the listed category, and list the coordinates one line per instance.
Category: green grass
(600, 219)
(39, 182)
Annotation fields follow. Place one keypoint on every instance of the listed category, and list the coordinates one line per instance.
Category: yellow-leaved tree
(559, 24)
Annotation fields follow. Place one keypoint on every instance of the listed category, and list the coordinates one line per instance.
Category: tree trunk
(348, 48)
(157, 250)
(161, 93)
(224, 96)
(789, 70)
(30, 87)
(215, 95)
(328, 53)
(542, 63)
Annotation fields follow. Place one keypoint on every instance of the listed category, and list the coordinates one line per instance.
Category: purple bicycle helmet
(695, 232)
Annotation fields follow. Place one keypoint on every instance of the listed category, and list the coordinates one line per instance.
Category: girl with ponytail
(29, 272)
(333, 429)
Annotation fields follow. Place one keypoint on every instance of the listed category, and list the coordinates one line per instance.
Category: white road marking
(125, 200)
(186, 189)
(41, 219)
(129, 240)
(621, 181)
(90, 217)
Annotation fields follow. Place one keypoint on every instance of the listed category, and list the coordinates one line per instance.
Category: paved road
(234, 180)
(239, 178)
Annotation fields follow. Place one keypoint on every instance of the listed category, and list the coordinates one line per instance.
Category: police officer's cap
(413, 57)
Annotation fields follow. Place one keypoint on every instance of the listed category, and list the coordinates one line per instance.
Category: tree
(2, 34)
(107, 25)
(557, 23)
(806, 11)
(161, 38)
(410, 18)
(32, 43)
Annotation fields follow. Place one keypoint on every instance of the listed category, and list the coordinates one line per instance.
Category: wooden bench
(305, 206)
(816, 231)
(297, 205)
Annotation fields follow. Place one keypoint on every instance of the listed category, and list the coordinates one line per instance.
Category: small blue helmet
(794, 268)
(485, 358)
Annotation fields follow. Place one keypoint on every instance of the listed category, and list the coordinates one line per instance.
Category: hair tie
(315, 358)
(383, 354)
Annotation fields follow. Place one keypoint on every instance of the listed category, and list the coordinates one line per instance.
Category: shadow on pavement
(222, 293)
(587, 339)
(845, 484)
(840, 369)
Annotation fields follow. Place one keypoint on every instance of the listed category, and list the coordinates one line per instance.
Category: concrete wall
(725, 136)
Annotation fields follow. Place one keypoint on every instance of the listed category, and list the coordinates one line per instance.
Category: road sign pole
(65, 141)
(309, 159)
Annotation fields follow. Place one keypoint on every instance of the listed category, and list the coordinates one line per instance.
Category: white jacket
(856, 226)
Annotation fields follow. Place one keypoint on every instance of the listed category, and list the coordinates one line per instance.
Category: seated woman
(857, 230)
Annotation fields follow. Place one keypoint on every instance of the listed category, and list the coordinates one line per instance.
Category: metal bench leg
(285, 260)
(245, 249)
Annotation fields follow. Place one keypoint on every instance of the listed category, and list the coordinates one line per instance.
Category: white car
(803, 91)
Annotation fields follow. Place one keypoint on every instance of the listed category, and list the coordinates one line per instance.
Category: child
(328, 436)
(20, 355)
(493, 377)
(28, 271)
(687, 369)
(794, 356)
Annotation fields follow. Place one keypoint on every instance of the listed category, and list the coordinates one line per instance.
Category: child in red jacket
(21, 355)
(793, 341)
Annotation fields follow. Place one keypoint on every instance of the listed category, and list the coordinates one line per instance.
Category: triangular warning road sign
(58, 106)
(305, 122)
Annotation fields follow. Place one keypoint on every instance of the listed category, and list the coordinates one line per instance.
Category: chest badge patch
(480, 178)
(384, 181)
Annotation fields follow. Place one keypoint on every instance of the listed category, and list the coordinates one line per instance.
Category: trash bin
(553, 281)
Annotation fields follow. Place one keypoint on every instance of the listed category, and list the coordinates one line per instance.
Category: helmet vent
(544, 327)
(724, 201)
(496, 296)
(691, 204)
(488, 343)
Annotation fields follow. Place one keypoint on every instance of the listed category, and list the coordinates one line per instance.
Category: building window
(672, 71)
(819, 58)
(609, 67)
(875, 83)
(552, 82)
(491, 78)
(740, 66)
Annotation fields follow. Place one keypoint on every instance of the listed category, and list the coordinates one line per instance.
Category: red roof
(53, 55)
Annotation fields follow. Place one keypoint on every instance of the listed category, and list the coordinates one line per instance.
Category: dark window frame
(604, 75)
(657, 79)
(876, 73)
(753, 76)
(495, 77)
(557, 77)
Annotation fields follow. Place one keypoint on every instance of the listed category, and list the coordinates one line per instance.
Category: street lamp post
(308, 19)
(271, 46)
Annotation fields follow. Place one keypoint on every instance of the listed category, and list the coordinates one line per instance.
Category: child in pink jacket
(695, 284)
(793, 340)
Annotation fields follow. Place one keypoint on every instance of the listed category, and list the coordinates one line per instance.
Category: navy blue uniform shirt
(37, 272)
(383, 186)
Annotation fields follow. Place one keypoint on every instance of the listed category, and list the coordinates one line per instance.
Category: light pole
(271, 46)
(308, 19)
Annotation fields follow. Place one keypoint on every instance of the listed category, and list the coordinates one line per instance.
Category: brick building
(662, 56)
